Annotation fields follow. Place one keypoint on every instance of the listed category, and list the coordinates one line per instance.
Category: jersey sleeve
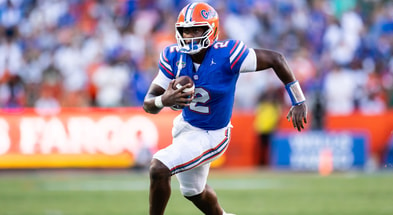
(161, 80)
(164, 65)
(237, 54)
(250, 62)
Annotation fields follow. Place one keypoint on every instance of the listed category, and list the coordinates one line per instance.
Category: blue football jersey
(215, 81)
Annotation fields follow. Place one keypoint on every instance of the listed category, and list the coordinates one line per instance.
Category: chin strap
(191, 48)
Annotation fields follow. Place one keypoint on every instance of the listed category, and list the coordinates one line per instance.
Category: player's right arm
(262, 59)
(275, 60)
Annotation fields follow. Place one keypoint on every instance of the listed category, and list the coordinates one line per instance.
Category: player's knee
(191, 190)
(190, 193)
(158, 170)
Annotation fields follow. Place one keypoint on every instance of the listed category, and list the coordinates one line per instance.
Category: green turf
(240, 192)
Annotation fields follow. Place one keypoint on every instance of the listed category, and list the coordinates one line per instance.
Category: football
(183, 80)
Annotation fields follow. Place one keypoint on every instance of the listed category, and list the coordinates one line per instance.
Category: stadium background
(67, 58)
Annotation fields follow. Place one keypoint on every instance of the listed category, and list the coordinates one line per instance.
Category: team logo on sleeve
(183, 64)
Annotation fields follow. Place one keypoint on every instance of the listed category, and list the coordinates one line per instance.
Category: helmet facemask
(195, 44)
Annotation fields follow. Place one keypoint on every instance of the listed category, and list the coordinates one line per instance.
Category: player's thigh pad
(193, 182)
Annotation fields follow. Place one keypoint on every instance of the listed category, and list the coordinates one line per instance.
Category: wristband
(295, 93)
(158, 102)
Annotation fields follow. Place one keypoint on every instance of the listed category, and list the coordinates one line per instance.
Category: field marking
(139, 185)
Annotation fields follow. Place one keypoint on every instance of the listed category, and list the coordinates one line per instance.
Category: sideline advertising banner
(127, 137)
(311, 150)
(79, 138)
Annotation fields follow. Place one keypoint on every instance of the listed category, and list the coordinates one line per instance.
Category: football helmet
(197, 15)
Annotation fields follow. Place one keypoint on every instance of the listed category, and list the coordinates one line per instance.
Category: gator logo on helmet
(208, 14)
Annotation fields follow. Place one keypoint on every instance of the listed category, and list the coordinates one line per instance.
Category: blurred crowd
(104, 53)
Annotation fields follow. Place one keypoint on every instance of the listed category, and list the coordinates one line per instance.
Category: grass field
(240, 192)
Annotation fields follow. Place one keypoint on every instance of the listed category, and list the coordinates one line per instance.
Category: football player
(202, 131)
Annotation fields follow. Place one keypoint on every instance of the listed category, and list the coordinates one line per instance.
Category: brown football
(183, 80)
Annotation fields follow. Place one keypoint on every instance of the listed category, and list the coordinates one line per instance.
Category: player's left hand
(298, 114)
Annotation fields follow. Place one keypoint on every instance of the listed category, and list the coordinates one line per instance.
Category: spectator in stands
(267, 116)
(339, 100)
(12, 89)
(331, 30)
(111, 80)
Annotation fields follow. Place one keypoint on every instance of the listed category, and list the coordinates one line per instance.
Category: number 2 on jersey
(201, 97)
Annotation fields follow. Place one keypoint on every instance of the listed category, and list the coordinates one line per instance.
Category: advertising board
(310, 150)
